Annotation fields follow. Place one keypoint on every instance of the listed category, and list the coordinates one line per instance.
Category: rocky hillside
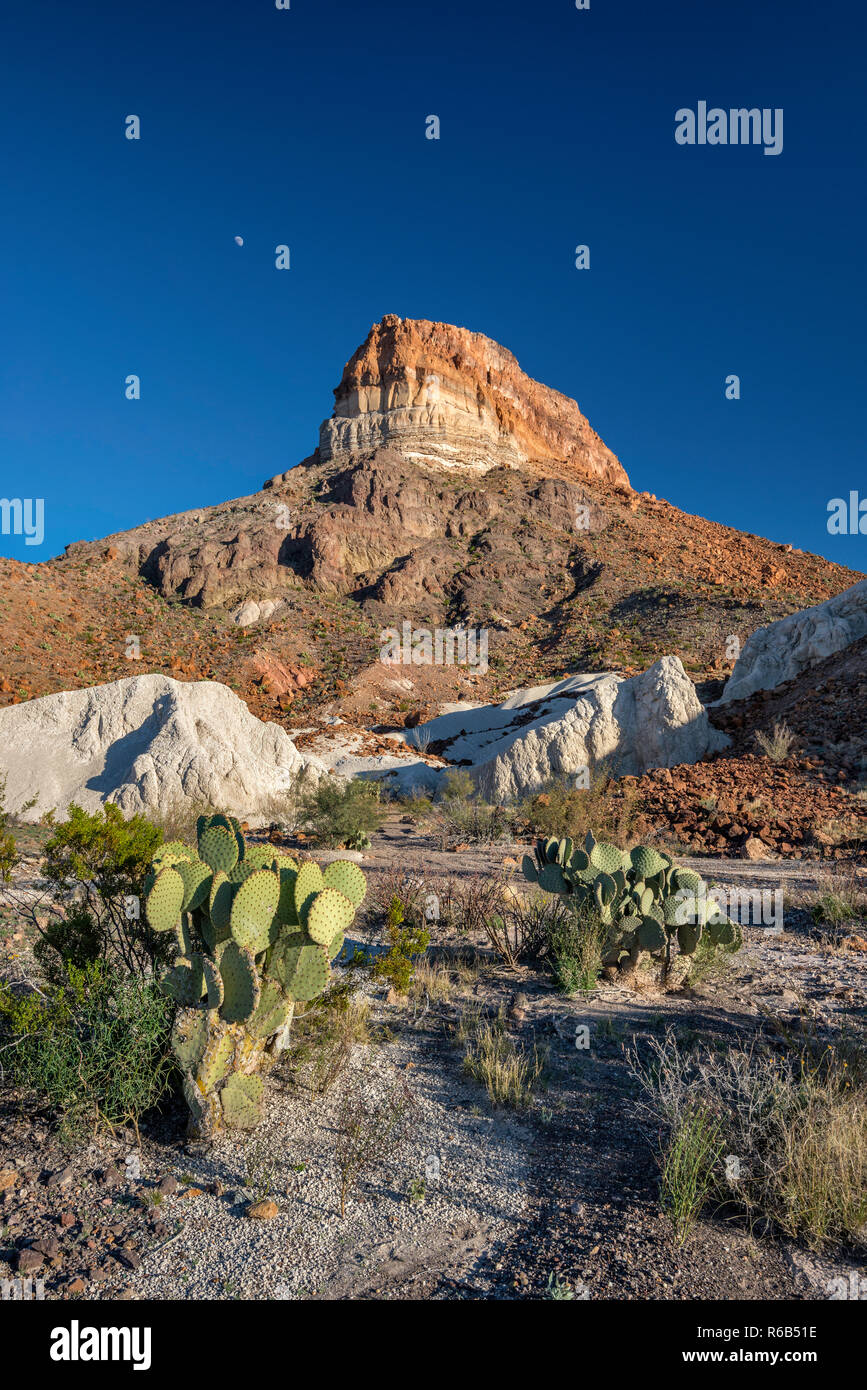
(447, 487)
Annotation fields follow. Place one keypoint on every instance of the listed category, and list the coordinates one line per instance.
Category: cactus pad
(308, 883)
(163, 902)
(197, 882)
(551, 878)
(253, 923)
(272, 1012)
(217, 1058)
(241, 1099)
(240, 982)
(286, 903)
(329, 913)
(348, 879)
(184, 981)
(608, 858)
(312, 972)
(219, 848)
(190, 1037)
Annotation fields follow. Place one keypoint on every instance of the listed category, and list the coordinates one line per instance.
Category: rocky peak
(444, 396)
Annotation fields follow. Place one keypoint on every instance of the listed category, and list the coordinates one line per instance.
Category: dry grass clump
(507, 1070)
(781, 1135)
(777, 745)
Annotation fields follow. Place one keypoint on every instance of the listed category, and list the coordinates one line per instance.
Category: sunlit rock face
(445, 396)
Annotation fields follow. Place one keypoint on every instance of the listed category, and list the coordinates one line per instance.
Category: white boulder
(651, 720)
(784, 649)
(148, 743)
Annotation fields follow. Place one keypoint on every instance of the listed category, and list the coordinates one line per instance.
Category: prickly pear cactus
(256, 933)
(643, 898)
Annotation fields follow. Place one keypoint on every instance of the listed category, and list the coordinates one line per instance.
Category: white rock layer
(782, 650)
(148, 744)
(651, 720)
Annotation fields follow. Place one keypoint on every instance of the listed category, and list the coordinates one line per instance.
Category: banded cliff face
(443, 396)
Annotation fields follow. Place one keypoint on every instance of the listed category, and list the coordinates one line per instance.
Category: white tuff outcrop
(784, 649)
(654, 719)
(147, 743)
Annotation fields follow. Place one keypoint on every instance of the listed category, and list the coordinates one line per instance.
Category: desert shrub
(783, 1134)
(604, 807)
(839, 901)
(576, 945)
(372, 1122)
(341, 815)
(523, 926)
(777, 745)
(691, 1153)
(459, 904)
(8, 848)
(404, 942)
(96, 866)
(463, 815)
(507, 1070)
(324, 1032)
(93, 1047)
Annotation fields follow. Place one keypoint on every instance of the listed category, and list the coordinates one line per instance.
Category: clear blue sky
(307, 127)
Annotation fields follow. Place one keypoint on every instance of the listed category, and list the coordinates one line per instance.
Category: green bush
(464, 815)
(8, 848)
(96, 865)
(341, 815)
(404, 943)
(95, 1048)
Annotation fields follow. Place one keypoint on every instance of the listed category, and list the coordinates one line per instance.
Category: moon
(239, 241)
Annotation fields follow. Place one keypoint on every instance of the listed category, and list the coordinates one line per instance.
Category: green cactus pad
(190, 1037)
(308, 883)
(723, 932)
(219, 848)
(529, 870)
(163, 902)
(217, 1058)
(272, 1012)
(213, 982)
(286, 903)
(580, 860)
(285, 956)
(552, 879)
(240, 872)
(348, 879)
(335, 946)
(184, 936)
(184, 981)
(329, 913)
(686, 878)
(608, 858)
(652, 935)
(312, 972)
(253, 922)
(646, 863)
(241, 1099)
(172, 852)
(240, 982)
(259, 856)
(688, 937)
(197, 878)
(606, 889)
(673, 910)
(220, 903)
